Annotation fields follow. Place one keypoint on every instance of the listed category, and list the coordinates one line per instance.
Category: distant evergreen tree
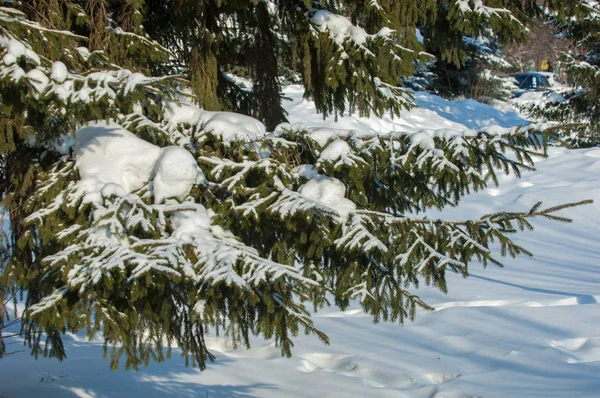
(266, 224)
(577, 119)
(466, 37)
(481, 76)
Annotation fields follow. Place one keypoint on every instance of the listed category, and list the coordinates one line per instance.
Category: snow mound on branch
(175, 173)
(113, 161)
(38, 79)
(336, 150)
(15, 49)
(59, 72)
(228, 126)
(191, 224)
(108, 155)
(323, 135)
(330, 192)
(232, 126)
(339, 27)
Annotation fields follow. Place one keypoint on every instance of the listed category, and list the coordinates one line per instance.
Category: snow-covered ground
(531, 329)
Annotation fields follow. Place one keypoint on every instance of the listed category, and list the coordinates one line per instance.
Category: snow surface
(433, 113)
(540, 98)
(531, 329)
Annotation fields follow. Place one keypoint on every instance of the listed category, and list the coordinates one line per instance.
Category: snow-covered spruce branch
(13, 20)
(476, 234)
(466, 8)
(398, 158)
(443, 165)
(356, 235)
(146, 43)
(110, 244)
(422, 250)
(181, 246)
(66, 91)
(347, 47)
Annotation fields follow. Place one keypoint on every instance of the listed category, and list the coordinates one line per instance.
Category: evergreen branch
(485, 221)
(12, 16)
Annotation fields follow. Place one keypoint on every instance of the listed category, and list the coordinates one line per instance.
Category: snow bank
(434, 114)
(113, 161)
(468, 112)
(540, 98)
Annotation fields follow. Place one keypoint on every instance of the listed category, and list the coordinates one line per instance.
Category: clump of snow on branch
(175, 172)
(228, 126)
(340, 29)
(330, 192)
(477, 6)
(112, 160)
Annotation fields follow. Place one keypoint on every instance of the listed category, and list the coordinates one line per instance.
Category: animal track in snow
(476, 303)
(226, 347)
(526, 184)
(575, 300)
(594, 153)
(327, 362)
(452, 394)
(381, 379)
(269, 351)
(350, 313)
(441, 378)
(344, 365)
(579, 350)
(219, 344)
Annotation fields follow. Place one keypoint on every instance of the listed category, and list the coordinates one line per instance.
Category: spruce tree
(208, 223)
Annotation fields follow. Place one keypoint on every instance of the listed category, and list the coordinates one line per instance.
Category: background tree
(577, 118)
(543, 43)
(467, 39)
